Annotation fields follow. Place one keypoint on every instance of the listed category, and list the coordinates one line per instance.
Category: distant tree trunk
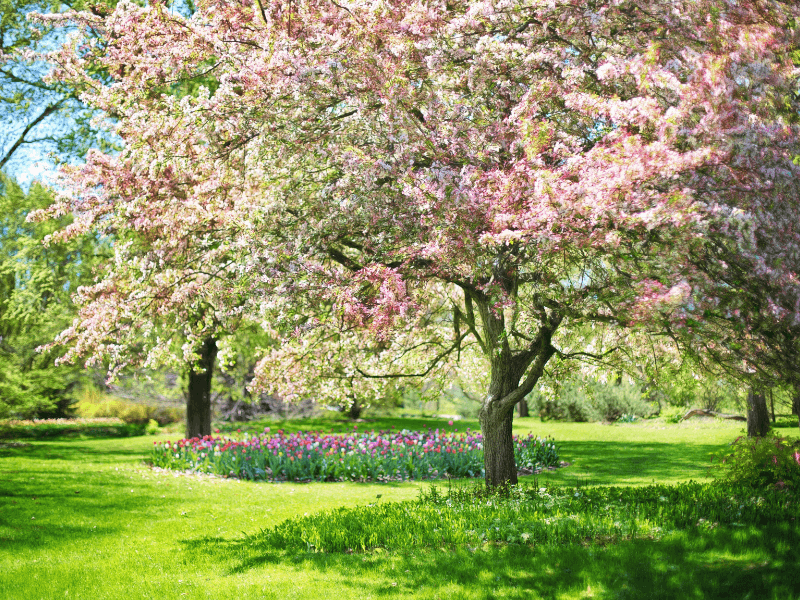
(772, 405)
(198, 396)
(354, 410)
(757, 415)
(796, 405)
(524, 409)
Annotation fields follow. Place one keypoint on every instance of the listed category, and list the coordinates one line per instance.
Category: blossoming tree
(539, 164)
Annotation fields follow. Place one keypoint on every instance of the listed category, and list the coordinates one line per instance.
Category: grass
(540, 517)
(625, 454)
(84, 518)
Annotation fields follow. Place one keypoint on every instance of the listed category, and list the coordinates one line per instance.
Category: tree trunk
(498, 447)
(513, 374)
(198, 396)
(523, 409)
(757, 414)
(497, 412)
(772, 405)
(354, 410)
(796, 405)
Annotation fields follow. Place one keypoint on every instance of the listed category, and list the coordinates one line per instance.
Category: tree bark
(354, 410)
(524, 410)
(198, 396)
(772, 405)
(757, 414)
(507, 388)
(498, 447)
(796, 405)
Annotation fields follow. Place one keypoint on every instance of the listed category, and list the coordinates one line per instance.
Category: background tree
(749, 330)
(35, 286)
(549, 165)
(46, 118)
(39, 119)
(151, 310)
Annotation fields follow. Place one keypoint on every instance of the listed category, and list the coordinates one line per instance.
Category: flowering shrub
(377, 456)
(760, 462)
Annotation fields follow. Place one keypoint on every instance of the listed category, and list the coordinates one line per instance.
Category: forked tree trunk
(496, 418)
(757, 414)
(497, 413)
(198, 396)
(513, 373)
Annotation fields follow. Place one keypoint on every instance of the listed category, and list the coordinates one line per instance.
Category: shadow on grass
(720, 564)
(60, 433)
(52, 507)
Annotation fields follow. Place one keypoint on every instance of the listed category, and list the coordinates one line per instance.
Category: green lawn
(84, 518)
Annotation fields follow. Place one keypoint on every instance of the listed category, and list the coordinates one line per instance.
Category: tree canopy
(39, 119)
(538, 166)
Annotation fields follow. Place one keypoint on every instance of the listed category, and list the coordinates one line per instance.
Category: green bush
(763, 462)
(614, 401)
(93, 404)
(571, 404)
(584, 401)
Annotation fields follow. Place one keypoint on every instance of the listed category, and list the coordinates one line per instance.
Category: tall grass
(532, 516)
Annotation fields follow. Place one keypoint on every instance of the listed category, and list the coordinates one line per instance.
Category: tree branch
(21, 139)
(344, 260)
(431, 366)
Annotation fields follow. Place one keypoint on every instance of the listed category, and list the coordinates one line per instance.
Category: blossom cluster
(358, 456)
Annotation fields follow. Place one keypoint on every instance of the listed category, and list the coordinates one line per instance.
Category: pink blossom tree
(540, 165)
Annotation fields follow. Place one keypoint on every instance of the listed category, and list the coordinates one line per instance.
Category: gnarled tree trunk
(198, 395)
(513, 375)
(757, 414)
(498, 446)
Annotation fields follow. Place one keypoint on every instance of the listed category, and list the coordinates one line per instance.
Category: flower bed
(376, 456)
